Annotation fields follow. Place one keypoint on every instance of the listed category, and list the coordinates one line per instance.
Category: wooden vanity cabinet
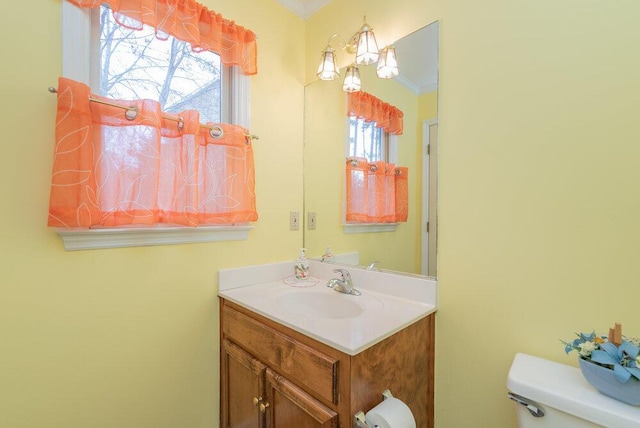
(243, 388)
(275, 377)
(290, 406)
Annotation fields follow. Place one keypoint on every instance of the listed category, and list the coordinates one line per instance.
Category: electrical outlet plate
(311, 224)
(294, 220)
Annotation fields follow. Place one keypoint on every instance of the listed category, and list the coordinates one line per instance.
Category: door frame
(429, 148)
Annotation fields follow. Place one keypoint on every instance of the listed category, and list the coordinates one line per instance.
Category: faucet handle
(344, 285)
(346, 276)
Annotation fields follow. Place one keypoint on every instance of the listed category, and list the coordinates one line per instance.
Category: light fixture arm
(352, 45)
(341, 44)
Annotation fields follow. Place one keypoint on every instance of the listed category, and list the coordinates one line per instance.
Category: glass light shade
(387, 64)
(367, 52)
(328, 70)
(352, 79)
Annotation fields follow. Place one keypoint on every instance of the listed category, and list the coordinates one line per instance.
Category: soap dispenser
(327, 256)
(302, 266)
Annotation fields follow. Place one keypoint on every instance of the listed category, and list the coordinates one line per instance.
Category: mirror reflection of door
(429, 195)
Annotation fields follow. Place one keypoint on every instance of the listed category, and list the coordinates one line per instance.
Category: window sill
(93, 239)
(349, 228)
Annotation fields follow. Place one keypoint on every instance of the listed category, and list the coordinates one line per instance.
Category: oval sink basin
(321, 305)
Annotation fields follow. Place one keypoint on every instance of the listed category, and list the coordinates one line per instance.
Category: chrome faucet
(373, 266)
(344, 284)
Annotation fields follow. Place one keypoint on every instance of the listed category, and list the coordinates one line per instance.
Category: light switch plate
(294, 220)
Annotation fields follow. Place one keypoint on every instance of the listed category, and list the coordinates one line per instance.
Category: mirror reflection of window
(367, 140)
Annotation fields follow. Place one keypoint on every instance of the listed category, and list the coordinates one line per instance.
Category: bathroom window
(195, 78)
(136, 64)
(127, 64)
(367, 140)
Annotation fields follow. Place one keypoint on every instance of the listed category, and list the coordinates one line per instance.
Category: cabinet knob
(256, 400)
(263, 407)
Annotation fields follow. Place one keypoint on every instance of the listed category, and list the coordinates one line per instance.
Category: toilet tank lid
(564, 388)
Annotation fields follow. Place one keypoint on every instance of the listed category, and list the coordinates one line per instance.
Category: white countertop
(389, 302)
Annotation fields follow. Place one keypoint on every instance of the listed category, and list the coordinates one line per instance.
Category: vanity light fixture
(328, 70)
(367, 51)
(363, 44)
(352, 81)
(387, 63)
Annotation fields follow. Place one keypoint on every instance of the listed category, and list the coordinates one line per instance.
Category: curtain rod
(131, 112)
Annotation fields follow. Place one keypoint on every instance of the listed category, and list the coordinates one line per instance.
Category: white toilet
(554, 395)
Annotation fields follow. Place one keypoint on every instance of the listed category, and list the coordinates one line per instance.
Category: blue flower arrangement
(615, 352)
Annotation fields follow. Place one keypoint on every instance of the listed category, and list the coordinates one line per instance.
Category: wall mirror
(411, 248)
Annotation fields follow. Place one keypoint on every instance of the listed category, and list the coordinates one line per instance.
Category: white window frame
(76, 65)
(352, 228)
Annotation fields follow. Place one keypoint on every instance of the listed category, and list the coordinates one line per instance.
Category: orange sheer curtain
(402, 193)
(114, 170)
(377, 192)
(188, 21)
(365, 106)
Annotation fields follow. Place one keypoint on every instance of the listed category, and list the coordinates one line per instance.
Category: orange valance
(370, 108)
(189, 21)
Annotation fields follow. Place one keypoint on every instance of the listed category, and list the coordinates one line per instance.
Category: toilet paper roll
(391, 413)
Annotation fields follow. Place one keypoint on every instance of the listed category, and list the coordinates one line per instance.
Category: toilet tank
(564, 396)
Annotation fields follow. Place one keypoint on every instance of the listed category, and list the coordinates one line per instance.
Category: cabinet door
(242, 396)
(289, 406)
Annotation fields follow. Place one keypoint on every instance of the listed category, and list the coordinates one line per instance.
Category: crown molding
(303, 8)
(412, 87)
(416, 89)
(428, 88)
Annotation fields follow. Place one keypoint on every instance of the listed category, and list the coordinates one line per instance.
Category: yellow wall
(325, 137)
(538, 182)
(126, 337)
(428, 105)
(538, 213)
(539, 176)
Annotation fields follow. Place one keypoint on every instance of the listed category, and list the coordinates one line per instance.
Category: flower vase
(604, 380)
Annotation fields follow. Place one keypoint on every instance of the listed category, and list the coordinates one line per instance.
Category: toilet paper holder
(359, 418)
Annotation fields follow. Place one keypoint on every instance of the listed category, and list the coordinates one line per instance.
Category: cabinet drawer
(310, 369)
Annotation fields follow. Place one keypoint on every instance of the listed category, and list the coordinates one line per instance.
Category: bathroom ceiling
(418, 66)
(417, 55)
